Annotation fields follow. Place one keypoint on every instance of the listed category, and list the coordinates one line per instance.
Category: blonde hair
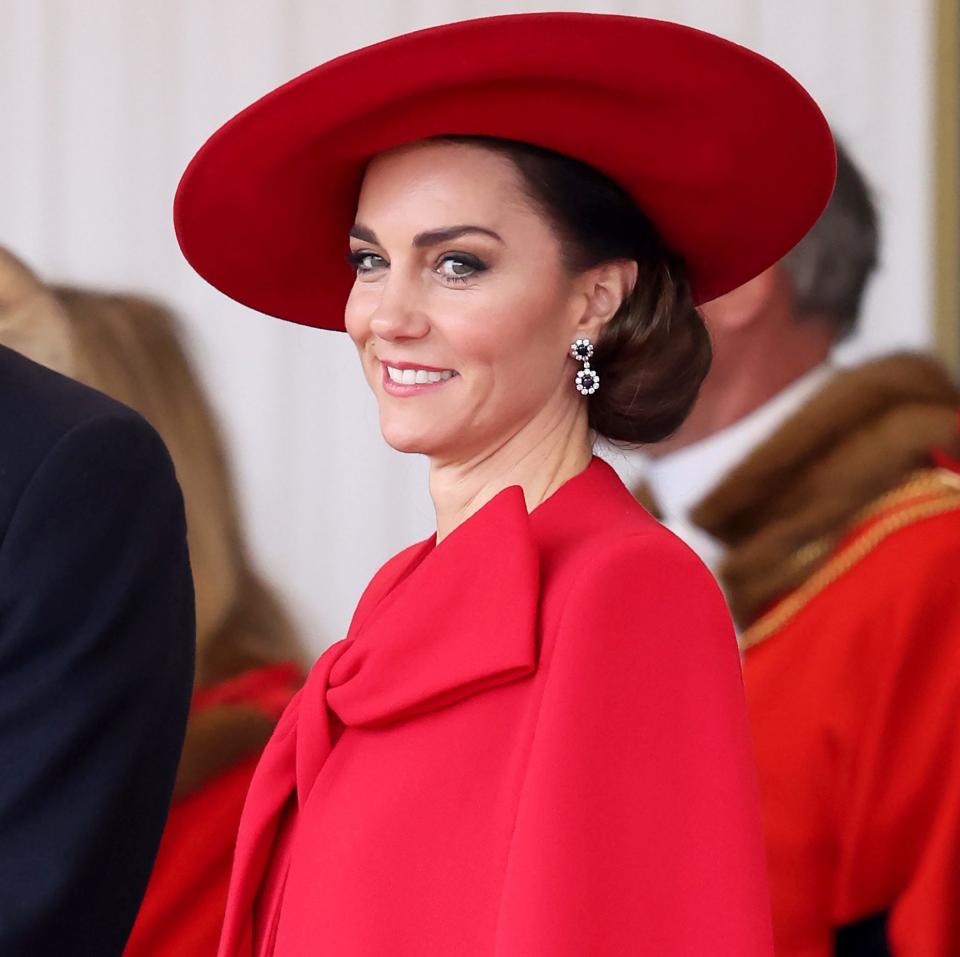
(130, 347)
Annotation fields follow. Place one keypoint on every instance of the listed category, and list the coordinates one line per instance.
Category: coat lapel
(273, 782)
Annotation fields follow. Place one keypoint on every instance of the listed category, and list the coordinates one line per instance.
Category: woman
(248, 656)
(532, 738)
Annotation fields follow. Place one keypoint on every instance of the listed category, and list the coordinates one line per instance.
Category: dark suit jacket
(96, 660)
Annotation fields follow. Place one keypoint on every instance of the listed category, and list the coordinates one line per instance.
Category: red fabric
(723, 150)
(532, 741)
(268, 688)
(855, 707)
(182, 912)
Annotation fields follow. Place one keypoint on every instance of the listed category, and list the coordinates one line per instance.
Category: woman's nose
(399, 314)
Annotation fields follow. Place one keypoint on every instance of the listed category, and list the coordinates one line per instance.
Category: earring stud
(587, 380)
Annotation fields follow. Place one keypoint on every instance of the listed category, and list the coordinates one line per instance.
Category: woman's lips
(405, 378)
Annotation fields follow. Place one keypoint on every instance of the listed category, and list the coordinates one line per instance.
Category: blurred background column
(947, 181)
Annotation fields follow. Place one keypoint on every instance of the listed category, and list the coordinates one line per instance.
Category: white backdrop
(103, 102)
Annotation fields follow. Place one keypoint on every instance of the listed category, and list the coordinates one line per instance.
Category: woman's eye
(453, 267)
(364, 262)
(459, 267)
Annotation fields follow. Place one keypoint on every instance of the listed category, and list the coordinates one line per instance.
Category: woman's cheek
(352, 315)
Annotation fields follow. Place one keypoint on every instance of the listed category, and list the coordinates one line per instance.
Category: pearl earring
(587, 380)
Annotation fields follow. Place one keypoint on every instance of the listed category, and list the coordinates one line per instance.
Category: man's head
(829, 269)
(773, 329)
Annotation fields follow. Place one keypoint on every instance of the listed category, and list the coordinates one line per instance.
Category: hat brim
(724, 151)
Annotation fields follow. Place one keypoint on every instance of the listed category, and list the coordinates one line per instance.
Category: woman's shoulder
(635, 554)
(609, 526)
(622, 562)
(644, 597)
(633, 596)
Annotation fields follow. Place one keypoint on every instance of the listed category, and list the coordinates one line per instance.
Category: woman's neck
(538, 460)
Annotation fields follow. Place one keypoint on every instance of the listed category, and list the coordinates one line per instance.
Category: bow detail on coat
(412, 647)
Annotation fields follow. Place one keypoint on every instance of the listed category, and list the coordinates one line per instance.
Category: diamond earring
(587, 380)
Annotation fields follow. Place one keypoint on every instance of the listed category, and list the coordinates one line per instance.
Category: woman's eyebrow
(428, 238)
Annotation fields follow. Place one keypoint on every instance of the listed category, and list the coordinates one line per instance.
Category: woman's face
(462, 311)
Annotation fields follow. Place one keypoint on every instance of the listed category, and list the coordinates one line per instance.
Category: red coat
(182, 913)
(532, 741)
(853, 683)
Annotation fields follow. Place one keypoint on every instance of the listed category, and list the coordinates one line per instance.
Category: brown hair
(129, 347)
(654, 353)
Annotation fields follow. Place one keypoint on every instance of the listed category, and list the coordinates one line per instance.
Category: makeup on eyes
(356, 259)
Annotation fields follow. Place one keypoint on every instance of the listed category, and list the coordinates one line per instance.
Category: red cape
(532, 741)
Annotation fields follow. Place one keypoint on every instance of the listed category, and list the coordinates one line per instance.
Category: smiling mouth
(407, 379)
(416, 376)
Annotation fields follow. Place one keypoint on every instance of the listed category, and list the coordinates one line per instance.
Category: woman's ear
(605, 288)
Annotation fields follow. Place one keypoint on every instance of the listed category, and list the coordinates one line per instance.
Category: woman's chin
(413, 441)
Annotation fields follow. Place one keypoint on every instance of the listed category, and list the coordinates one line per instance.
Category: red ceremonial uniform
(532, 741)
(843, 568)
(857, 677)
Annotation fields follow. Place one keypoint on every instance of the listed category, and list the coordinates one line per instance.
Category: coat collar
(462, 620)
(439, 623)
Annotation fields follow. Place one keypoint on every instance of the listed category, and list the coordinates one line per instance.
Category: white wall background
(103, 102)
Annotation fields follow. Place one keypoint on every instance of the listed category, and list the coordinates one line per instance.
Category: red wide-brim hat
(722, 149)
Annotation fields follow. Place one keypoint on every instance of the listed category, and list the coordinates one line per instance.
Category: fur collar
(785, 506)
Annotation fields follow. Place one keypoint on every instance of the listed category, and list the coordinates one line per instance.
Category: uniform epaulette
(926, 493)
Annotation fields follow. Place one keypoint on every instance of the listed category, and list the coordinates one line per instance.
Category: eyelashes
(366, 262)
(476, 266)
(358, 259)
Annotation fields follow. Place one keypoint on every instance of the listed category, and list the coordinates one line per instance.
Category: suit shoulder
(35, 399)
(46, 416)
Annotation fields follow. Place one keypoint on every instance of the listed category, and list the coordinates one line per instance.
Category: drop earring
(587, 380)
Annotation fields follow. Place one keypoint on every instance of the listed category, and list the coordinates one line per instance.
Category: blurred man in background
(828, 504)
(249, 658)
(96, 650)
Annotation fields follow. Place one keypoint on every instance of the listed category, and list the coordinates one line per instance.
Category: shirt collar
(679, 480)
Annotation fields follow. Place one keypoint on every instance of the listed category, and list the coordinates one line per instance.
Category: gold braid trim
(943, 484)
(922, 482)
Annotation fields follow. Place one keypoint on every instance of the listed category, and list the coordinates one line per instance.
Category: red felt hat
(722, 149)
